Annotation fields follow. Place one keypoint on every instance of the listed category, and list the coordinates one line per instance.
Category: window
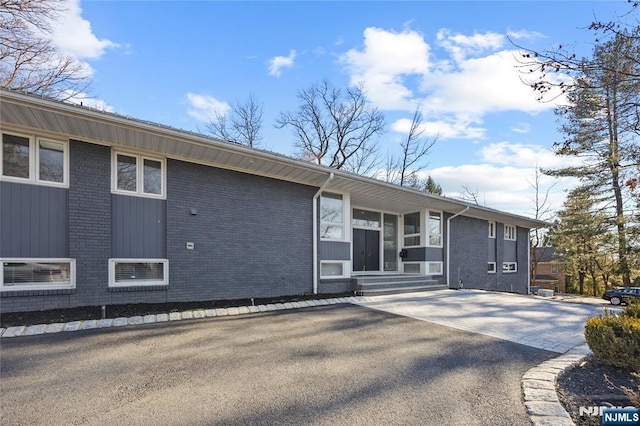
(510, 232)
(412, 229)
(435, 229)
(554, 268)
(509, 267)
(411, 268)
(331, 217)
(434, 268)
(332, 269)
(366, 219)
(138, 272)
(492, 229)
(138, 175)
(491, 267)
(35, 160)
(37, 274)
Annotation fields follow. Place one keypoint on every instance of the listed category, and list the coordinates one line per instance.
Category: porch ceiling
(29, 113)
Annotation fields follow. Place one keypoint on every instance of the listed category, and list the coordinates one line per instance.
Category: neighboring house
(99, 209)
(548, 270)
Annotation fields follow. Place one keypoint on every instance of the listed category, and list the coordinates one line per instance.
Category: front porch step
(394, 284)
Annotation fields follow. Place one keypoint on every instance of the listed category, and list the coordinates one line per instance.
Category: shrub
(615, 339)
(632, 310)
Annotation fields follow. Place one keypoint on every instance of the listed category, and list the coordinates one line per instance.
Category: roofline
(190, 137)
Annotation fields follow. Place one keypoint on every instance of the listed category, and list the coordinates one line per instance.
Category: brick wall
(252, 235)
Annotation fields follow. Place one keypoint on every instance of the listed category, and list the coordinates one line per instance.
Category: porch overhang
(27, 113)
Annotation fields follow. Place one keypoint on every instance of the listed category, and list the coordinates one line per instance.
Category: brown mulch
(585, 386)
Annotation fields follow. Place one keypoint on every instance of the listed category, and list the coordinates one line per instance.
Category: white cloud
(525, 155)
(204, 108)
(521, 128)
(74, 36)
(460, 46)
(473, 78)
(505, 188)
(444, 129)
(386, 59)
(279, 62)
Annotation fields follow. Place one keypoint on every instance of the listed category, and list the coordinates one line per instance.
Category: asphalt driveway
(333, 365)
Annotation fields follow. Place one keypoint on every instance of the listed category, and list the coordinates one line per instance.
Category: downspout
(315, 232)
(449, 243)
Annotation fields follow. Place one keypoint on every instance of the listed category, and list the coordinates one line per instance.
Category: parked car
(622, 295)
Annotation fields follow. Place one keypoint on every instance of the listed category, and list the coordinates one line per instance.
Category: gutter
(449, 242)
(315, 231)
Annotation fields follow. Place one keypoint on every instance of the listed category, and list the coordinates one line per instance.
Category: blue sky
(175, 63)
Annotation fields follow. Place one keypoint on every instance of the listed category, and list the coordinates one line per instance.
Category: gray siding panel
(334, 250)
(138, 229)
(33, 220)
(415, 254)
(510, 251)
(434, 254)
(492, 249)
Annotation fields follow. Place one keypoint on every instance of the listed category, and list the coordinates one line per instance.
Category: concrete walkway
(537, 322)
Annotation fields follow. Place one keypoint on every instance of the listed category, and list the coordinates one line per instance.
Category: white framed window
(434, 268)
(508, 267)
(32, 159)
(333, 269)
(138, 272)
(554, 268)
(435, 229)
(412, 229)
(332, 217)
(138, 174)
(492, 229)
(510, 232)
(412, 267)
(491, 267)
(21, 274)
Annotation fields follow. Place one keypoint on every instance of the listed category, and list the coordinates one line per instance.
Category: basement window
(138, 272)
(37, 274)
(509, 267)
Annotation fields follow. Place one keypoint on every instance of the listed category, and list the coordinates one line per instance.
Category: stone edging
(539, 388)
(38, 329)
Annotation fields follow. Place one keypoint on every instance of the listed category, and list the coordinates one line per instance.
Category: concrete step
(392, 284)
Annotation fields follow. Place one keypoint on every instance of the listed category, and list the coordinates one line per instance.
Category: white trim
(490, 271)
(492, 229)
(71, 283)
(506, 233)
(419, 234)
(345, 269)
(34, 160)
(140, 157)
(138, 283)
(346, 217)
(315, 226)
(509, 271)
(428, 228)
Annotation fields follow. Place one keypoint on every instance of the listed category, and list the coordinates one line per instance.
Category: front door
(366, 250)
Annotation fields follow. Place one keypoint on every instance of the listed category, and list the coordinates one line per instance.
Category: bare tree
(28, 59)
(335, 127)
(538, 238)
(414, 150)
(242, 125)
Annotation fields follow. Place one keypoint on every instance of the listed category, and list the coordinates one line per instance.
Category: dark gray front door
(366, 250)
